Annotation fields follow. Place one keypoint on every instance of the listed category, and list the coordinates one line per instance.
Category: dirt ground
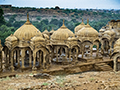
(91, 80)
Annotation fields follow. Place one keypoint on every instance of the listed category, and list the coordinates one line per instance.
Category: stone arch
(6, 57)
(16, 57)
(41, 61)
(75, 51)
(115, 61)
(96, 46)
(39, 58)
(28, 57)
(87, 48)
(105, 45)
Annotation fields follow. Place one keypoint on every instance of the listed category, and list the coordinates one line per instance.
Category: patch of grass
(16, 75)
(31, 73)
(60, 81)
(7, 78)
(45, 84)
(10, 89)
(91, 79)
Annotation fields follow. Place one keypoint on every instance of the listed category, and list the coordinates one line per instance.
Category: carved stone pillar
(110, 44)
(12, 66)
(102, 48)
(56, 54)
(30, 59)
(5, 56)
(44, 61)
(69, 54)
(115, 64)
(18, 57)
(66, 53)
(34, 59)
(73, 54)
(50, 58)
(91, 50)
(76, 54)
(83, 50)
(40, 59)
(97, 50)
(15, 57)
(23, 57)
(52, 55)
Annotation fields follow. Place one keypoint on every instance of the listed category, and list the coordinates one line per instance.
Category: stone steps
(103, 67)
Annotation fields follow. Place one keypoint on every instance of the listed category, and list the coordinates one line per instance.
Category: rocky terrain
(82, 81)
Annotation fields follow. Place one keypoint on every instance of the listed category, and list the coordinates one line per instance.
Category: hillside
(48, 18)
(37, 14)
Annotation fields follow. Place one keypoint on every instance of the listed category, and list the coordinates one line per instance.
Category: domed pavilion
(64, 43)
(88, 37)
(26, 48)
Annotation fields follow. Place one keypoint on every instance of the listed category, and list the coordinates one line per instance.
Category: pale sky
(99, 4)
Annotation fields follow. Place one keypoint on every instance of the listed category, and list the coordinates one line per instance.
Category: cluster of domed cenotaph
(28, 48)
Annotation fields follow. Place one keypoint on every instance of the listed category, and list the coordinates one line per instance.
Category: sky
(72, 4)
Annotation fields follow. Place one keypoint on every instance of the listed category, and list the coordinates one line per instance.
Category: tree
(2, 21)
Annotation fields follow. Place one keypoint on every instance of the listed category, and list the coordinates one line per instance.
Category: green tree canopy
(2, 21)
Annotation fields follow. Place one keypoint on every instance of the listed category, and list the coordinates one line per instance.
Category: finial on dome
(63, 22)
(27, 16)
(82, 19)
(87, 21)
(27, 22)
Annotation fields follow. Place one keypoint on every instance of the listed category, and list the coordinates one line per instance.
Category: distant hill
(38, 14)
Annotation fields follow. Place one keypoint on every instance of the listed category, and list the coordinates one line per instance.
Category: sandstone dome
(63, 33)
(80, 26)
(27, 31)
(87, 31)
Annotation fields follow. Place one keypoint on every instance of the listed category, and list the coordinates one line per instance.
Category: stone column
(70, 54)
(37, 56)
(115, 64)
(23, 57)
(7, 62)
(97, 51)
(30, 59)
(76, 54)
(73, 54)
(56, 54)
(83, 50)
(34, 60)
(12, 66)
(15, 57)
(50, 57)
(44, 61)
(91, 50)
(40, 59)
(102, 47)
(110, 44)
(5, 57)
(66, 54)
(18, 57)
